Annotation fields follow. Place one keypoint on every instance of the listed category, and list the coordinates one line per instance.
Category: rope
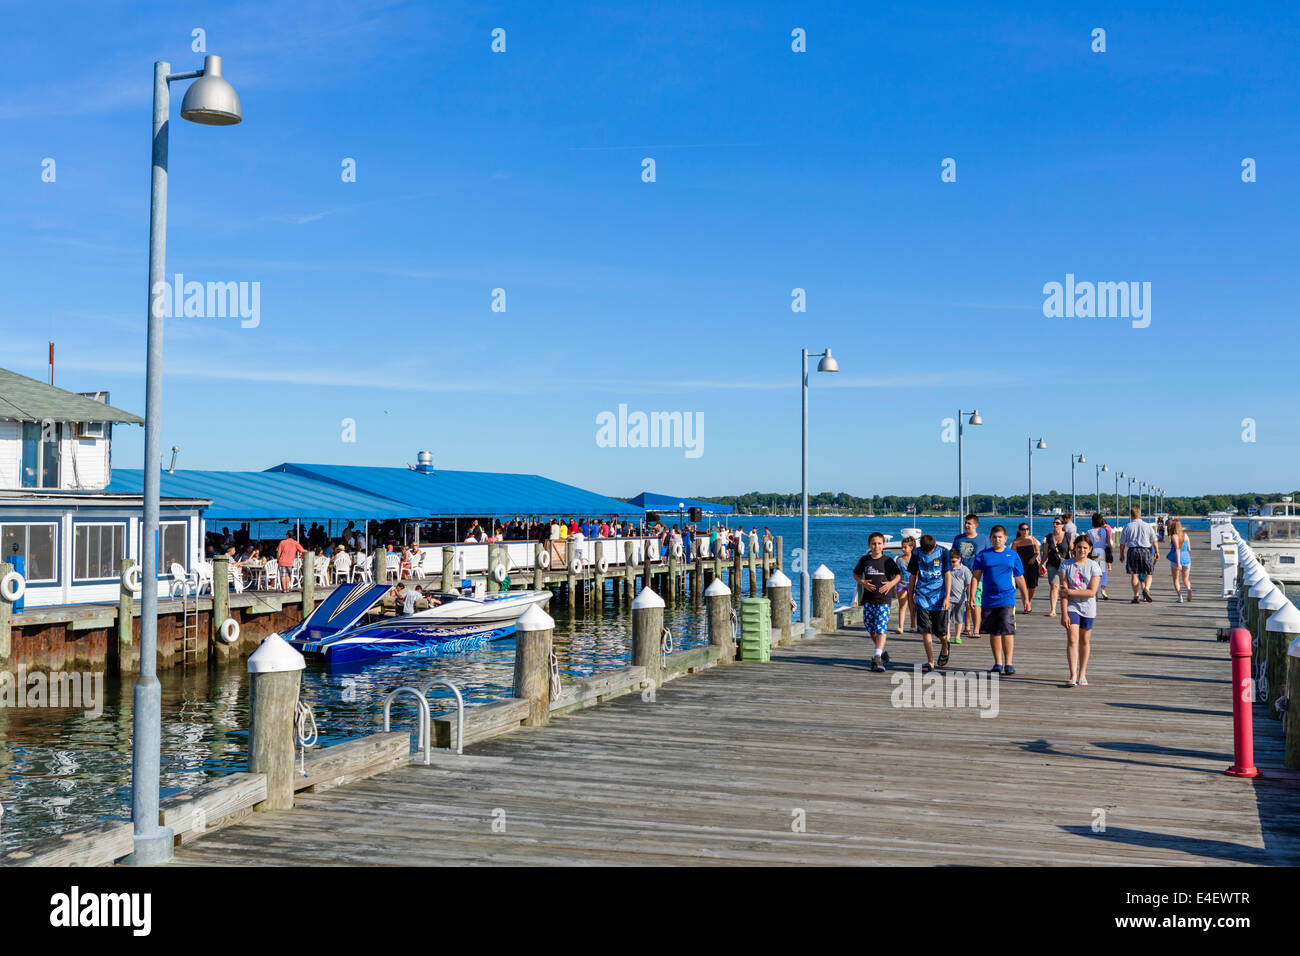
(735, 625)
(304, 730)
(555, 675)
(667, 641)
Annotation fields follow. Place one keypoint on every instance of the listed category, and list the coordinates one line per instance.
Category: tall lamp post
(209, 101)
(1099, 469)
(1074, 498)
(827, 364)
(1041, 444)
(961, 484)
(1128, 499)
(1117, 478)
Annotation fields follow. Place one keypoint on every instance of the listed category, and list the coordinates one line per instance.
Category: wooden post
(275, 671)
(449, 582)
(538, 574)
(647, 634)
(699, 578)
(823, 599)
(126, 618)
(568, 569)
(598, 587)
(736, 572)
(754, 545)
(717, 566)
(379, 566)
(647, 579)
(672, 574)
(221, 604)
(534, 632)
(6, 615)
(308, 584)
(1292, 752)
(629, 572)
(718, 598)
(778, 592)
(780, 552)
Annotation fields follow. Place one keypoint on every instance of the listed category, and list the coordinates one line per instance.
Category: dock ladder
(189, 623)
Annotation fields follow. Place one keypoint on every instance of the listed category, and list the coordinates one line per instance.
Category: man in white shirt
(1137, 549)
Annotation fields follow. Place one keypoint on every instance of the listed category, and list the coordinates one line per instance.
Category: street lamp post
(1099, 469)
(209, 101)
(1117, 478)
(1074, 498)
(1128, 500)
(827, 364)
(961, 486)
(1030, 508)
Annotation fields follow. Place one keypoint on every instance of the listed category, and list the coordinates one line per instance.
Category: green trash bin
(755, 629)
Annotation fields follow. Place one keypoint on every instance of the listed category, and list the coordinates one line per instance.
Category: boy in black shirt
(878, 576)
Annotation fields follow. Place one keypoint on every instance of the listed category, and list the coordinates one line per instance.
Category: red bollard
(1243, 737)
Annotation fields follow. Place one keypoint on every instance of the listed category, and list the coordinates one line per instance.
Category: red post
(1243, 739)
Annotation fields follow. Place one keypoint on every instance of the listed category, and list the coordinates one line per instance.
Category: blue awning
(265, 496)
(442, 493)
(653, 502)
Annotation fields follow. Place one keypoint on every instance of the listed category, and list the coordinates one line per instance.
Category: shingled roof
(24, 399)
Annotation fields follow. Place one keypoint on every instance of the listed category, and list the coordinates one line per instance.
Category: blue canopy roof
(652, 502)
(264, 496)
(472, 493)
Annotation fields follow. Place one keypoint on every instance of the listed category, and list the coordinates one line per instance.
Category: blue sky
(774, 170)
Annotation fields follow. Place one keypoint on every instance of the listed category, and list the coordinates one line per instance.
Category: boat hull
(506, 607)
(402, 637)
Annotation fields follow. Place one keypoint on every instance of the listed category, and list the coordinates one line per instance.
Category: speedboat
(464, 609)
(345, 628)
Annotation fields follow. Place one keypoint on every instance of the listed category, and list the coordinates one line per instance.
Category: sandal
(1071, 682)
(943, 660)
(926, 668)
(1083, 682)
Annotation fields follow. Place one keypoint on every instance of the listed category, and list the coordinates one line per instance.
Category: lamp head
(828, 363)
(210, 100)
(1105, 467)
(1041, 443)
(975, 418)
(1083, 459)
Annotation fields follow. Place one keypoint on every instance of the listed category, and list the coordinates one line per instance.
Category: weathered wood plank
(211, 806)
(606, 685)
(481, 723)
(98, 844)
(688, 662)
(355, 760)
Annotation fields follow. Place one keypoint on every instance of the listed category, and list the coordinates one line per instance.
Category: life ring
(722, 552)
(544, 559)
(652, 550)
(678, 550)
(12, 587)
(499, 573)
(767, 547)
(229, 631)
(131, 579)
(576, 564)
(602, 565)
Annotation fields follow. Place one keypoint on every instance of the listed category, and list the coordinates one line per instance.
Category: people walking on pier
(1027, 547)
(959, 596)
(1137, 549)
(878, 575)
(1056, 550)
(904, 590)
(969, 544)
(1180, 559)
(285, 553)
(931, 577)
(1006, 576)
(1070, 527)
(1099, 539)
(1080, 580)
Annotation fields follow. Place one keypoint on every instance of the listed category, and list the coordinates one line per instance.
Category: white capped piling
(534, 634)
(126, 614)
(6, 615)
(629, 571)
(221, 604)
(823, 599)
(648, 634)
(275, 673)
(778, 593)
(1292, 752)
(718, 598)
(1257, 590)
(1274, 646)
(1280, 630)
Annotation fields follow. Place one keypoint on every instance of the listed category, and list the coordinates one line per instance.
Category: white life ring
(12, 587)
(767, 547)
(499, 573)
(576, 564)
(602, 565)
(678, 550)
(652, 549)
(722, 552)
(229, 631)
(131, 579)
(544, 558)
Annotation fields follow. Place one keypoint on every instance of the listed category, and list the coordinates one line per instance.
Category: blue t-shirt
(969, 547)
(1001, 568)
(928, 572)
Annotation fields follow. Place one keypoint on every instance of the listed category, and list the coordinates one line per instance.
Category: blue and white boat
(343, 630)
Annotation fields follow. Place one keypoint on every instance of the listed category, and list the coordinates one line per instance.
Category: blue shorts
(1083, 623)
(875, 618)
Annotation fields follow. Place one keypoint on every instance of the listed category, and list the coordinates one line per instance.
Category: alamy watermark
(945, 689)
(1102, 300)
(212, 300)
(651, 430)
(58, 689)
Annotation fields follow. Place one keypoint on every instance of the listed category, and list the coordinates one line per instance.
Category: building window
(98, 550)
(36, 543)
(172, 548)
(40, 465)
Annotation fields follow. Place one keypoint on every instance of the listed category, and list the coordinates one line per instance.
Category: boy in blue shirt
(1005, 576)
(968, 545)
(931, 580)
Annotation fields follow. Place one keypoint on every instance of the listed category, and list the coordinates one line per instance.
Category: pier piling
(534, 634)
(275, 672)
(126, 616)
(778, 592)
(647, 634)
(823, 599)
(221, 602)
(718, 597)
(6, 614)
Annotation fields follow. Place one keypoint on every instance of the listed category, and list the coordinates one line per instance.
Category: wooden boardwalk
(720, 766)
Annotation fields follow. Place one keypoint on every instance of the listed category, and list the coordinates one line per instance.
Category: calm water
(61, 768)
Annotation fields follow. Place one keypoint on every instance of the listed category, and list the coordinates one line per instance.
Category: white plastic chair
(342, 567)
(321, 566)
(272, 575)
(295, 574)
(392, 566)
(237, 579)
(203, 577)
(361, 568)
(181, 582)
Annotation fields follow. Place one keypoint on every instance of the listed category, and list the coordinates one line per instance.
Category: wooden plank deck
(715, 769)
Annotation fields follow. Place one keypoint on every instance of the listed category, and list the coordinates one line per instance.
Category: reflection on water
(59, 768)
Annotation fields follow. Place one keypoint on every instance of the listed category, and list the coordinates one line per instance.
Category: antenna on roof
(171, 469)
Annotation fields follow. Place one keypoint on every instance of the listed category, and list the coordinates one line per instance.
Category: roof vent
(425, 466)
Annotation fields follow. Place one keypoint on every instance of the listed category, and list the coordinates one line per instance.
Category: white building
(56, 521)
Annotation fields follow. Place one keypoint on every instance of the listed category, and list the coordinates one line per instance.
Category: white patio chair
(392, 567)
(295, 574)
(342, 567)
(361, 568)
(203, 577)
(272, 573)
(237, 580)
(180, 580)
(322, 568)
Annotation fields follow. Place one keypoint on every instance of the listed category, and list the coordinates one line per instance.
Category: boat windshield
(1276, 529)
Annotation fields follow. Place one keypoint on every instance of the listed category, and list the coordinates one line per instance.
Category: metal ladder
(189, 623)
(423, 731)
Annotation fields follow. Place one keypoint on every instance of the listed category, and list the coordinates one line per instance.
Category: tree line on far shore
(826, 502)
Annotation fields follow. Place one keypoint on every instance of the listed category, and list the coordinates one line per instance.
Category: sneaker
(1147, 597)
(876, 665)
(995, 669)
(884, 656)
(957, 639)
(1179, 599)
(1008, 670)
(1136, 599)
